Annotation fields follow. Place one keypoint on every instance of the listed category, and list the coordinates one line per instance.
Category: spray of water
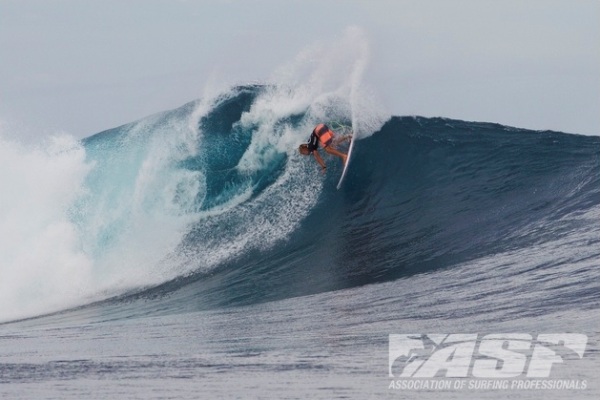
(82, 222)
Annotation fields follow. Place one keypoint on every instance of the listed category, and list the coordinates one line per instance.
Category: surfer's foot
(344, 159)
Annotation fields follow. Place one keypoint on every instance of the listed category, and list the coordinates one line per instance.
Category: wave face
(210, 205)
(421, 194)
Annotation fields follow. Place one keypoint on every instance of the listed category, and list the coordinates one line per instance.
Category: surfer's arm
(320, 160)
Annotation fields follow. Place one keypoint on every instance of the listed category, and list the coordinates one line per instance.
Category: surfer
(325, 137)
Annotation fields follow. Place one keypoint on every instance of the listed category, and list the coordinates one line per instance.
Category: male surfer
(325, 137)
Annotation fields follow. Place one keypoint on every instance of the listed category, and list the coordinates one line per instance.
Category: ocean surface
(194, 254)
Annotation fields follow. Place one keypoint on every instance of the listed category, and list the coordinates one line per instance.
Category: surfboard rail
(339, 185)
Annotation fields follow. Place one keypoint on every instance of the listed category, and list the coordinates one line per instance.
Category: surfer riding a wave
(325, 137)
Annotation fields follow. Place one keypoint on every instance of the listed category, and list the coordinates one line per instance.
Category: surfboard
(339, 185)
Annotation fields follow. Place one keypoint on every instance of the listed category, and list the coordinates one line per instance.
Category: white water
(79, 225)
(42, 265)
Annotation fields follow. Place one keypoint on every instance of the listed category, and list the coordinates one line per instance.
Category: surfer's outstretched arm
(320, 160)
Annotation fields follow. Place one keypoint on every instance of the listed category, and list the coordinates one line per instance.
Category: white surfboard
(339, 185)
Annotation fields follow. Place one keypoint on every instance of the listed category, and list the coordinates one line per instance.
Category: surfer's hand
(323, 169)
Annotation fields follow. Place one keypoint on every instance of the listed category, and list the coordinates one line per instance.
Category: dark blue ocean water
(224, 265)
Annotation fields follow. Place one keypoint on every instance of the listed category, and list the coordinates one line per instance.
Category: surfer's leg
(331, 150)
(341, 139)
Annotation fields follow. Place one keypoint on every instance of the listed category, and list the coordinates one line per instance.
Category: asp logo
(498, 355)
